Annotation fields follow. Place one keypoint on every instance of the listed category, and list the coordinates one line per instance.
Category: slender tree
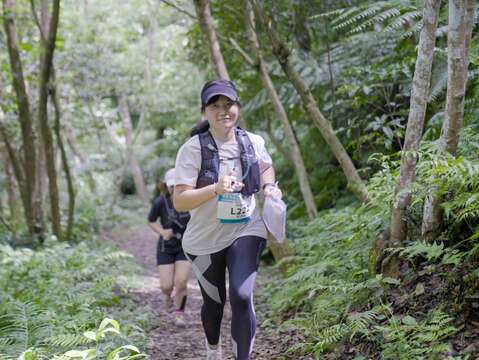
(43, 27)
(24, 115)
(205, 19)
(46, 64)
(461, 19)
(63, 154)
(41, 183)
(417, 111)
(133, 163)
(296, 156)
(283, 54)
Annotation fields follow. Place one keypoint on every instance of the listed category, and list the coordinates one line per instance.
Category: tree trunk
(16, 166)
(11, 194)
(206, 23)
(25, 118)
(205, 19)
(283, 117)
(130, 154)
(461, 15)
(280, 251)
(44, 17)
(457, 73)
(283, 54)
(40, 188)
(66, 166)
(48, 48)
(417, 111)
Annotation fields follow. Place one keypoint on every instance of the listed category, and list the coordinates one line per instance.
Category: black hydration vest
(175, 220)
(210, 162)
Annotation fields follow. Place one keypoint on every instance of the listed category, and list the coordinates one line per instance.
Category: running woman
(218, 171)
(173, 267)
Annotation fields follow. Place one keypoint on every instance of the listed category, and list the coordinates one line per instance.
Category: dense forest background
(370, 110)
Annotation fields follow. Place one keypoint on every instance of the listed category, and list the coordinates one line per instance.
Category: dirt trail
(168, 341)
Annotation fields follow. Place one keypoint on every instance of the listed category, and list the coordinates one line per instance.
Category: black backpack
(210, 160)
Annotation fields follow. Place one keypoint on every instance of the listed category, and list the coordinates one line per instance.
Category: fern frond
(311, 272)
(24, 326)
(430, 251)
(360, 322)
(328, 14)
(4, 342)
(67, 341)
(413, 31)
(404, 19)
(344, 15)
(367, 12)
(330, 335)
(377, 19)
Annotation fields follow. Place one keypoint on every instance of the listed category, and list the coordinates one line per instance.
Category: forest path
(169, 341)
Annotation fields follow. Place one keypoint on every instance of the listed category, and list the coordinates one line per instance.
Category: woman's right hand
(167, 234)
(228, 184)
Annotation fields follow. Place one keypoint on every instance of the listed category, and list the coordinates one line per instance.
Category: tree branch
(242, 52)
(181, 10)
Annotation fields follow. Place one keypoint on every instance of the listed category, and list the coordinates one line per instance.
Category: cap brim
(225, 91)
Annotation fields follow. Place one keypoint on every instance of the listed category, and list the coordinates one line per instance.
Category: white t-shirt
(205, 234)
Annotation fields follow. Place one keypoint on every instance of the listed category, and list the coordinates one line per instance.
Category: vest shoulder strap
(210, 160)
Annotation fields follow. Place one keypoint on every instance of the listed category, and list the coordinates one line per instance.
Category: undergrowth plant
(50, 296)
(330, 294)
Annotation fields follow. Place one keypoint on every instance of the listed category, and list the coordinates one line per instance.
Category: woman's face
(222, 114)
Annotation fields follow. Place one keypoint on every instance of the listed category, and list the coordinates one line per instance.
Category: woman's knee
(166, 287)
(240, 298)
(181, 284)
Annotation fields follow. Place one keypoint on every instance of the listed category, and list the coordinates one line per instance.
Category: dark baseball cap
(218, 87)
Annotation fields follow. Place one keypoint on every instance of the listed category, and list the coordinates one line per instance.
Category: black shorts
(167, 256)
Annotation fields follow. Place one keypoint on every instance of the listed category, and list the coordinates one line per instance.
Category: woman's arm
(186, 197)
(268, 176)
(269, 185)
(160, 230)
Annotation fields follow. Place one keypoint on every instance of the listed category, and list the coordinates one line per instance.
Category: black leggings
(242, 259)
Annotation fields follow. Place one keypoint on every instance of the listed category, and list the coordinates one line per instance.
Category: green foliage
(406, 338)
(50, 295)
(107, 326)
(356, 323)
(331, 274)
(24, 325)
(329, 293)
(456, 180)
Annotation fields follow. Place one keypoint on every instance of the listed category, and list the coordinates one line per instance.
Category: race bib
(234, 208)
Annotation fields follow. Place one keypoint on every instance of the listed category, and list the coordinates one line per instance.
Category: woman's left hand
(273, 190)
